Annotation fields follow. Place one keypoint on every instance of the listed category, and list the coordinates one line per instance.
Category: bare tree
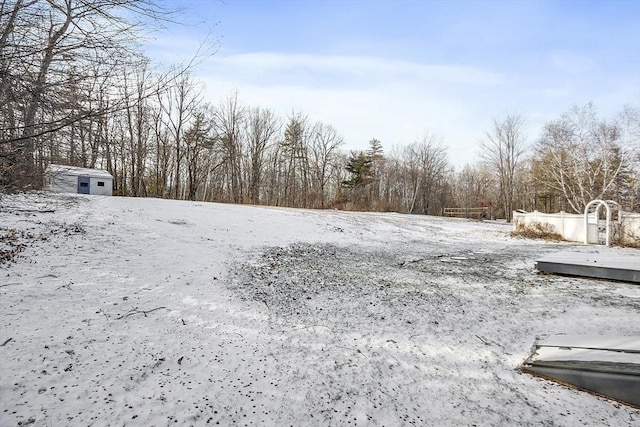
(198, 139)
(473, 186)
(295, 161)
(138, 127)
(229, 116)
(61, 74)
(179, 105)
(501, 149)
(49, 51)
(162, 155)
(261, 128)
(582, 157)
(323, 147)
(628, 123)
(429, 171)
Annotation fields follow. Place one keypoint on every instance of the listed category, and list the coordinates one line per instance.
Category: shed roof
(76, 171)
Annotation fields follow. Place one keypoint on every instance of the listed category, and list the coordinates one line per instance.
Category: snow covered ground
(140, 312)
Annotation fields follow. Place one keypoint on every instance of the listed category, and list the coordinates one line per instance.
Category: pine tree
(359, 166)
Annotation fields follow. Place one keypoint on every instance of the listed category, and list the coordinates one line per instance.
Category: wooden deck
(607, 366)
(611, 266)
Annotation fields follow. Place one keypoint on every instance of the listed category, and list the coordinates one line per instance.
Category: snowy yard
(141, 312)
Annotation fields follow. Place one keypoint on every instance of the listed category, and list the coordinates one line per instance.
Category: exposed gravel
(459, 317)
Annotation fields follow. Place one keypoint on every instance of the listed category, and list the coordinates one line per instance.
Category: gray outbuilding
(71, 179)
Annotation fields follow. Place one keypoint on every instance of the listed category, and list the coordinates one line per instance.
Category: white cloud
(355, 66)
(572, 62)
(393, 101)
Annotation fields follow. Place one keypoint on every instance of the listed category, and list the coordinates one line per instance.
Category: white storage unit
(71, 179)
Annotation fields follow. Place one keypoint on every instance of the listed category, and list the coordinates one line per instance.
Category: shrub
(535, 230)
(629, 240)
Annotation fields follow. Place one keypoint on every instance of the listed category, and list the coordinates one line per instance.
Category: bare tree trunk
(228, 121)
(501, 149)
(260, 128)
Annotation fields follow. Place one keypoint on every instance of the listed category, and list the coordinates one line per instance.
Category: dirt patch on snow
(408, 335)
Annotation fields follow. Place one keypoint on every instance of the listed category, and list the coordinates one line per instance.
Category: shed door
(83, 185)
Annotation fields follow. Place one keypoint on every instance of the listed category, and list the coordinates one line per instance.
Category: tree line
(75, 90)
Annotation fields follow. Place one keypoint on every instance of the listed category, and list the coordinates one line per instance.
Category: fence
(630, 233)
(480, 212)
(572, 226)
(569, 226)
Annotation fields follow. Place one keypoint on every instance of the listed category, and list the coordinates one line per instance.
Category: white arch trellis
(597, 204)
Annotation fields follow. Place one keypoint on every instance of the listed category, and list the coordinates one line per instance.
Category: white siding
(61, 183)
(105, 190)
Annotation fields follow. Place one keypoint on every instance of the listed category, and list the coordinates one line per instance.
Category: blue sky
(393, 70)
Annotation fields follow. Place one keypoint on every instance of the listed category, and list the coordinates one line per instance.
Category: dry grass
(630, 240)
(536, 230)
(11, 244)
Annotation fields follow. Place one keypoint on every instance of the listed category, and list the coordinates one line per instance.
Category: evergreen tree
(359, 166)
